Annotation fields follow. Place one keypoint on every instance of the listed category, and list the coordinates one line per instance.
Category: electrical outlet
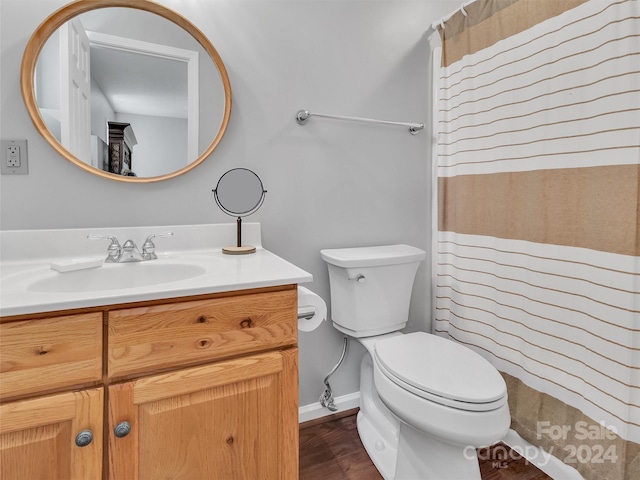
(13, 155)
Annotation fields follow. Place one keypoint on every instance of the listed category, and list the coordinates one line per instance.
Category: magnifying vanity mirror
(239, 193)
(126, 89)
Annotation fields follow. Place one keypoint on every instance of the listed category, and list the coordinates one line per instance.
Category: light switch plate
(13, 157)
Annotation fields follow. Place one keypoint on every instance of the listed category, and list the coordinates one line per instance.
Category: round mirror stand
(239, 193)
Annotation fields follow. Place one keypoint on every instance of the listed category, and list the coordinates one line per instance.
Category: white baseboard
(546, 462)
(315, 410)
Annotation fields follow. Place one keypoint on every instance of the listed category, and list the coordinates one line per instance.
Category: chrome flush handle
(360, 278)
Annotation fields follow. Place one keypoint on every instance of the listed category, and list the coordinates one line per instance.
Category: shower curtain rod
(440, 23)
(303, 116)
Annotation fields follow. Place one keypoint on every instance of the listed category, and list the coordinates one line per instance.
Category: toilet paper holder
(306, 312)
(312, 310)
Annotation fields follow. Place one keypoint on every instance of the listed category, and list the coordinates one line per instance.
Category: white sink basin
(115, 277)
(195, 265)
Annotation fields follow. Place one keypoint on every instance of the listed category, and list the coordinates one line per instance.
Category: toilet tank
(371, 287)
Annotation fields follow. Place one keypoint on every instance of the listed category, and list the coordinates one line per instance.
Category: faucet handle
(149, 248)
(114, 251)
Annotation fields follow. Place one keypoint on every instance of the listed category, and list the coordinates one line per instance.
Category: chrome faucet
(129, 252)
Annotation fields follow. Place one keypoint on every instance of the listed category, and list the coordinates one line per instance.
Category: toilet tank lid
(372, 256)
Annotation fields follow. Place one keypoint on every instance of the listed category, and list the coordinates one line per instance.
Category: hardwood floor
(332, 450)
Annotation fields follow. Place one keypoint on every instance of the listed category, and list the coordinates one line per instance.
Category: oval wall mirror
(126, 89)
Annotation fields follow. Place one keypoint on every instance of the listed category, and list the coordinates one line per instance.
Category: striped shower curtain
(538, 243)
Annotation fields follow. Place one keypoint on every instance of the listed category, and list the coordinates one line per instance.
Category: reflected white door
(75, 90)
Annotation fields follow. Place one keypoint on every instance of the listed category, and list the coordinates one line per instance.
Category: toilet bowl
(426, 402)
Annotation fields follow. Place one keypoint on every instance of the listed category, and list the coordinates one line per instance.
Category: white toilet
(426, 403)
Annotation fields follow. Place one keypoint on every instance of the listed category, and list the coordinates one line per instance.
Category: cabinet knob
(122, 429)
(84, 438)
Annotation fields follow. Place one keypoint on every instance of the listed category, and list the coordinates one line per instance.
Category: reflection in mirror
(239, 193)
(125, 92)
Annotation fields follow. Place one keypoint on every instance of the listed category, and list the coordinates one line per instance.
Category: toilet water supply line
(326, 399)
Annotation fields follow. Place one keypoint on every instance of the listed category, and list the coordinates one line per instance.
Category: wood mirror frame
(64, 14)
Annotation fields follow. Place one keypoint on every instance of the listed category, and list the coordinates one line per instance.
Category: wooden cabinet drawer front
(149, 338)
(50, 353)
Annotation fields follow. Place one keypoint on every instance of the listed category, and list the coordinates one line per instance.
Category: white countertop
(22, 279)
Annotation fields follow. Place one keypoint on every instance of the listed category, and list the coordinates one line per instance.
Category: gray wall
(330, 183)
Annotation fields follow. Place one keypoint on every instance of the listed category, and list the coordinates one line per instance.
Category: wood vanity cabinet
(197, 388)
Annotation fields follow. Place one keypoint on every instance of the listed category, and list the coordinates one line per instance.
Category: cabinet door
(235, 420)
(38, 437)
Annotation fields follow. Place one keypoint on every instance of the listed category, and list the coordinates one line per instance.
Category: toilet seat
(441, 371)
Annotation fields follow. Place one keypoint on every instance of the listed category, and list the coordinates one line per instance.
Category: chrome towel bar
(303, 116)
